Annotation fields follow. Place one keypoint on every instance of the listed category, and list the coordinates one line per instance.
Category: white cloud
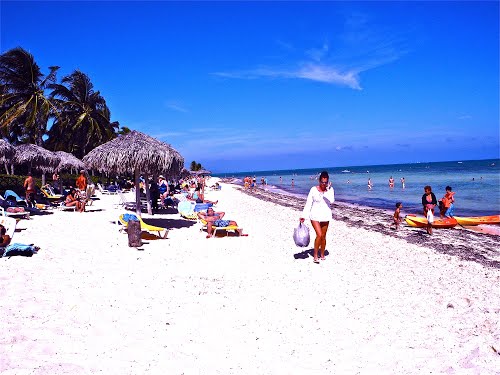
(358, 48)
(322, 73)
(176, 106)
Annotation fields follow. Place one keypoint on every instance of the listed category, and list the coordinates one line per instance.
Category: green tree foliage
(24, 107)
(195, 166)
(83, 119)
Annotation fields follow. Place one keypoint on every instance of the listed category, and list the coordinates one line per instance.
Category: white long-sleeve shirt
(318, 203)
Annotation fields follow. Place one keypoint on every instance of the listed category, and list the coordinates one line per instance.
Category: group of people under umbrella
(135, 153)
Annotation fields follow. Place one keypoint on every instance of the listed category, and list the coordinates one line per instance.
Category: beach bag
(134, 233)
(430, 216)
(301, 235)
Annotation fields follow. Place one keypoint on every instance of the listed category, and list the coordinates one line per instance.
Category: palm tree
(83, 122)
(195, 166)
(24, 107)
(124, 130)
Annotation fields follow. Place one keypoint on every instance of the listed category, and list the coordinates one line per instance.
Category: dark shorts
(221, 223)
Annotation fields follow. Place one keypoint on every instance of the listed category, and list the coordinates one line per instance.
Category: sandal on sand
(208, 236)
(316, 261)
(322, 258)
(244, 235)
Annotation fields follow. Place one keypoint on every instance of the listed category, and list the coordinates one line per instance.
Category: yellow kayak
(476, 220)
(421, 222)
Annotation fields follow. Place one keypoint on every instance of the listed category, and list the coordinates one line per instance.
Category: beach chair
(106, 191)
(234, 228)
(13, 194)
(20, 215)
(186, 210)
(124, 219)
(129, 205)
(10, 225)
(62, 207)
(49, 195)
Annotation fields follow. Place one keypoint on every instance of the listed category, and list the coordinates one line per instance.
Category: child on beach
(447, 207)
(397, 216)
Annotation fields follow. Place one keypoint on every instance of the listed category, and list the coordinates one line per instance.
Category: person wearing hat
(81, 181)
(163, 189)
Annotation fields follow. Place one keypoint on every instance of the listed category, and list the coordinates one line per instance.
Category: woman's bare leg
(324, 229)
(317, 241)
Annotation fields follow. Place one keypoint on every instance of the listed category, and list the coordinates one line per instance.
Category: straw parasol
(36, 157)
(135, 152)
(7, 151)
(201, 172)
(69, 161)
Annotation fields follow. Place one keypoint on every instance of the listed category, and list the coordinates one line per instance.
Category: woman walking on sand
(318, 210)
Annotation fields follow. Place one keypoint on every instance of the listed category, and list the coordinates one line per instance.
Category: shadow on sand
(307, 253)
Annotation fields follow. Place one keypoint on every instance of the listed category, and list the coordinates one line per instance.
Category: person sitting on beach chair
(72, 199)
(214, 219)
(8, 249)
(199, 197)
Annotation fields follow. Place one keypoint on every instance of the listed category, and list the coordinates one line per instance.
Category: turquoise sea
(476, 183)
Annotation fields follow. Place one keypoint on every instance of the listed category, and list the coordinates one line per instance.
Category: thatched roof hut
(135, 152)
(69, 161)
(132, 152)
(7, 151)
(36, 157)
(201, 172)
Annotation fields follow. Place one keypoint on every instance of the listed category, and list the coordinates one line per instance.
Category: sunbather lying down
(214, 219)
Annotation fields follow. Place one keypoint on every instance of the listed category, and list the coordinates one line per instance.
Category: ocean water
(476, 183)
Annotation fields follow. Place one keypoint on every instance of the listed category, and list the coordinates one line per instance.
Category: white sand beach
(89, 304)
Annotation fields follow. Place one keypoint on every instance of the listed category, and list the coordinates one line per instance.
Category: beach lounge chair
(186, 210)
(106, 191)
(10, 225)
(20, 201)
(129, 205)
(4, 212)
(62, 207)
(49, 195)
(234, 228)
(124, 219)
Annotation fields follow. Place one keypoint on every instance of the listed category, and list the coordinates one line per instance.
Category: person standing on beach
(318, 210)
(447, 203)
(81, 181)
(30, 188)
(397, 216)
(429, 201)
(391, 182)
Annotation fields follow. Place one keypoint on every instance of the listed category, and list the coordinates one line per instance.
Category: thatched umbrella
(135, 152)
(7, 152)
(184, 173)
(36, 157)
(69, 161)
(201, 172)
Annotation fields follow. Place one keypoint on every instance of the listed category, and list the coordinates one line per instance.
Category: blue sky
(242, 86)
